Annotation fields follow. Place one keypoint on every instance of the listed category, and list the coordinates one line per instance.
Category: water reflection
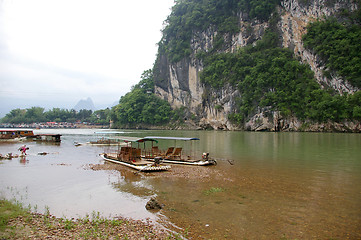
(23, 160)
(291, 185)
(129, 181)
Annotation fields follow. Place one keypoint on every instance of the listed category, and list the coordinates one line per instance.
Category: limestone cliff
(294, 20)
(179, 83)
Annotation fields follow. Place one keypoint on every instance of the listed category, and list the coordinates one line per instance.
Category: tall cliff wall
(179, 83)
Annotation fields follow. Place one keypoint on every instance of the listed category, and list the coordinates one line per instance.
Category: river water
(265, 185)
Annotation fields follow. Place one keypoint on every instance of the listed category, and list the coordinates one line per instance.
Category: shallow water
(265, 186)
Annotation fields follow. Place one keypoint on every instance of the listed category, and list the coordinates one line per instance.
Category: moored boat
(175, 155)
(101, 142)
(13, 135)
(47, 138)
(105, 141)
(131, 156)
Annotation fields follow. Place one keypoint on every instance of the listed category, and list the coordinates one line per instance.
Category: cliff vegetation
(189, 16)
(338, 43)
(236, 48)
(267, 75)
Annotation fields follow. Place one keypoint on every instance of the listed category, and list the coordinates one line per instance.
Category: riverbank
(258, 125)
(17, 222)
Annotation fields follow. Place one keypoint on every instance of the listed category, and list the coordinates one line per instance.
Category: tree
(15, 116)
(34, 114)
(141, 105)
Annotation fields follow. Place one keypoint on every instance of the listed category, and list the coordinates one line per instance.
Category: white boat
(174, 154)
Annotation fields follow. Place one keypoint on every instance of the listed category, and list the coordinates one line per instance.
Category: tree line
(38, 114)
(138, 107)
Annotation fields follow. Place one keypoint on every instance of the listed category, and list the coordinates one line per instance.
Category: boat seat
(176, 154)
(168, 152)
(155, 151)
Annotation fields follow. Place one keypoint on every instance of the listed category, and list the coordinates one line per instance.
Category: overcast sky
(55, 52)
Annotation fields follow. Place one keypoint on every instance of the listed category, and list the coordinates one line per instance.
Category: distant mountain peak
(85, 104)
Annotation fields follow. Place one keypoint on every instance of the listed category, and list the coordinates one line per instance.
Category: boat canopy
(172, 138)
(136, 139)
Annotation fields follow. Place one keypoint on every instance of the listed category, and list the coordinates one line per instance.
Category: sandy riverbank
(45, 226)
(28, 225)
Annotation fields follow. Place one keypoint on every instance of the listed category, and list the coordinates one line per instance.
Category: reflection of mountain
(85, 104)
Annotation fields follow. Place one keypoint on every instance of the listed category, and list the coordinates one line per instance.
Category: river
(265, 185)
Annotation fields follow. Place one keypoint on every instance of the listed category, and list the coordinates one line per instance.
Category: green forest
(38, 115)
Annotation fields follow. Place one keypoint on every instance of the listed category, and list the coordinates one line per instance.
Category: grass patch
(213, 190)
(18, 222)
(9, 210)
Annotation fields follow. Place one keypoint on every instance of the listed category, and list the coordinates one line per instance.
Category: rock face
(179, 83)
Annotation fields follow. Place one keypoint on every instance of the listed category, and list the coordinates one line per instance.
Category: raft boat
(175, 155)
(130, 156)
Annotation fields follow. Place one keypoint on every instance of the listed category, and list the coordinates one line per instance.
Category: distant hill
(85, 104)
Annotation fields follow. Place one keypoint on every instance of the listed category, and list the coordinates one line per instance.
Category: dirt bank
(40, 226)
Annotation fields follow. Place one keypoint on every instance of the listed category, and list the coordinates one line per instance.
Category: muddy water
(265, 186)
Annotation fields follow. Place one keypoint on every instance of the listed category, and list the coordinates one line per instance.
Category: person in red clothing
(23, 149)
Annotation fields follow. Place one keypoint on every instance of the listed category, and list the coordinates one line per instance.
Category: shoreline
(307, 126)
(26, 224)
(20, 223)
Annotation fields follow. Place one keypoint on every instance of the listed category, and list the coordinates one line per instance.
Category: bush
(141, 105)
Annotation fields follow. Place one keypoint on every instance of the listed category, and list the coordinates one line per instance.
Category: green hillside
(265, 74)
(189, 16)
